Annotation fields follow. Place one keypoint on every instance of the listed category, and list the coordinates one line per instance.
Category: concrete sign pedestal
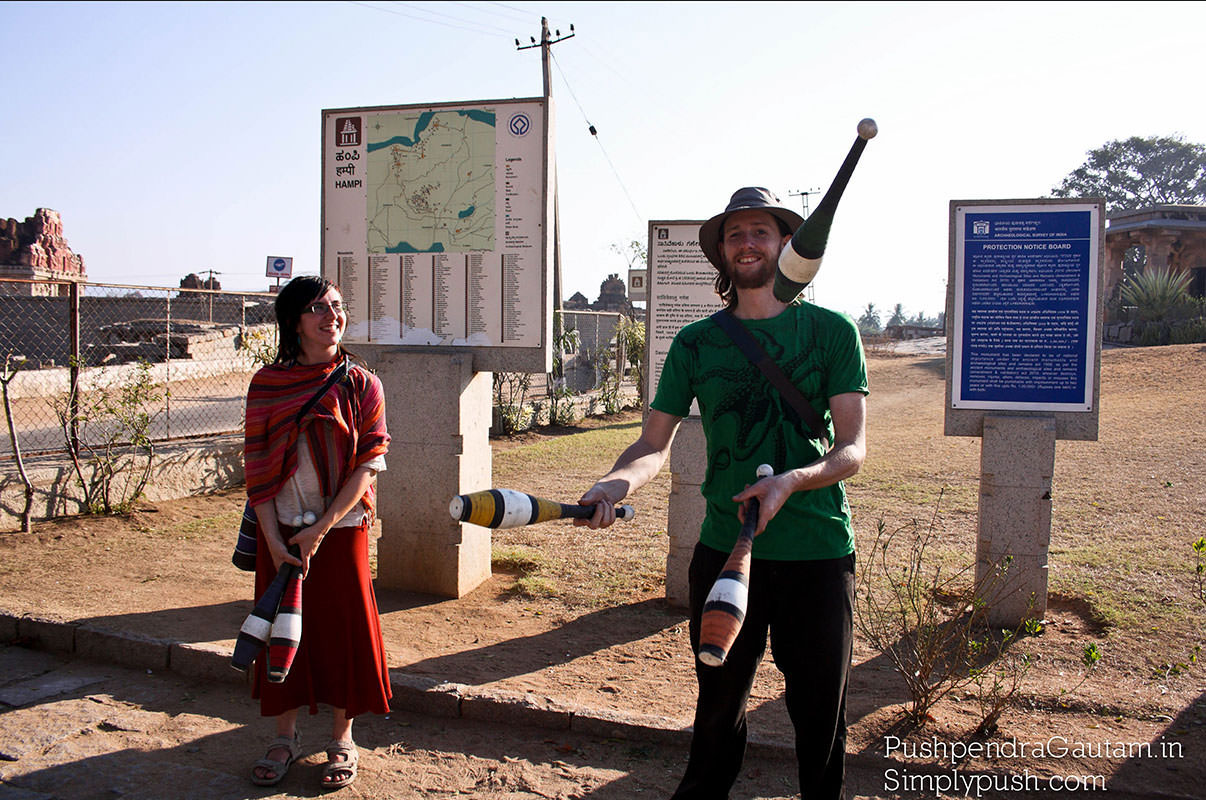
(1017, 460)
(438, 411)
(688, 466)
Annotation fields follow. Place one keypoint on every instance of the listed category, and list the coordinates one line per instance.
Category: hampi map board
(1024, 308)
(680, 287)
(436, 224)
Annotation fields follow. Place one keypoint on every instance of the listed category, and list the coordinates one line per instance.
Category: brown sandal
(340, 772)
(278, 768)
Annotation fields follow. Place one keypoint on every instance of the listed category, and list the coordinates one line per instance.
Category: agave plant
(1156, 292)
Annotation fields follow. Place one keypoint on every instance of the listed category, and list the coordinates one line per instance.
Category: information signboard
(436, 226)
(680, 290)
(280, 267)
(1024, 307)
(637, 289)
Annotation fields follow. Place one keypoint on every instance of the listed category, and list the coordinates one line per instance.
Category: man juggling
(807, 424)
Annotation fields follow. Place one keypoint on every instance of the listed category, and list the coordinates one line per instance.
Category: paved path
(80, 729)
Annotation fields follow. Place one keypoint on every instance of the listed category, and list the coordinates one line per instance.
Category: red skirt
(340, 660)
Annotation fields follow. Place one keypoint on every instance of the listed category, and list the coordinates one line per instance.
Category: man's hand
(635, 467)
(605, 508)
(771, 492)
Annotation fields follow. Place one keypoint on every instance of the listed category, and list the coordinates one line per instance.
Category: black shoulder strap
(811, 421)
(332, 379)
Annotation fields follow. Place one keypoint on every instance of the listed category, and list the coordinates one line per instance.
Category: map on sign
(430, 181)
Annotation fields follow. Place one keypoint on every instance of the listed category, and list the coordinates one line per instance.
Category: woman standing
(310, 479)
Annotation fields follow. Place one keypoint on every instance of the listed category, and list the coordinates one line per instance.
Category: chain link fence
(70, 349)
(82, 360)
(583, 368)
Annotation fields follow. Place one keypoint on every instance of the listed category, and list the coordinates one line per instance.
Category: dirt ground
(599, 633)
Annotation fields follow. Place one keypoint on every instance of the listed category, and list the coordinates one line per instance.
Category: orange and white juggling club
(507, 508)
(724, 610)
(801, 257)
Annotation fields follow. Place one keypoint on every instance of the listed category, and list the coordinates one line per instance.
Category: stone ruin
(193, 281)
(154, 340)
(36, 250)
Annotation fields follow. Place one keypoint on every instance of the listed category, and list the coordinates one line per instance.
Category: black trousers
(807, 607)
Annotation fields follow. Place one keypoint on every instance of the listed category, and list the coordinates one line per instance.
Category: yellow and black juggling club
(507, 508)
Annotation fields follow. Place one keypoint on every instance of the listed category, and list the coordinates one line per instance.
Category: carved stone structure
(36, 250)
(577, 302)
(193, 281)
(1174, 238)
(613, 296)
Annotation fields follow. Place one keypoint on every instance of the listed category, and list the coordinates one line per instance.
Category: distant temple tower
(36, 250)
(613, 296)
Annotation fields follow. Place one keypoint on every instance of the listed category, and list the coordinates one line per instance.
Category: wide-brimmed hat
(751, 197)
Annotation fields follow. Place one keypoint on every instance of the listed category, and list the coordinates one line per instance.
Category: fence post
(621, 355)
(73, 333)
(167, 371)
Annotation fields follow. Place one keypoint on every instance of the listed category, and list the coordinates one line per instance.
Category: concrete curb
(420, 694)
(413, 693)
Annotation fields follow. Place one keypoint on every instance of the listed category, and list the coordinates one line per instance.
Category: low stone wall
(179, 470)
(206, 355)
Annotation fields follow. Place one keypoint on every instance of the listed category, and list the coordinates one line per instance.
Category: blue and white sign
(280, 266)
(1025, 315)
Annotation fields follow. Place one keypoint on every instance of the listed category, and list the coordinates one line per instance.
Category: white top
(302, 492)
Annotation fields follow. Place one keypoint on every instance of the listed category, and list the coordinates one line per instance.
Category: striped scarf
(352, 413)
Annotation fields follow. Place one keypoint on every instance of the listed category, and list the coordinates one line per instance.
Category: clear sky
(181, 137)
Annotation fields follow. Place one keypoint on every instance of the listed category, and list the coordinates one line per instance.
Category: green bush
(1188, 332)
(1157, 293)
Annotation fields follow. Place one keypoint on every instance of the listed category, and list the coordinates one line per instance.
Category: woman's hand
(307, 541)
(279, 552)
(265, 514)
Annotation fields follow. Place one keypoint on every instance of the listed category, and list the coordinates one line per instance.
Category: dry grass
(1126, 508)
(583, 568)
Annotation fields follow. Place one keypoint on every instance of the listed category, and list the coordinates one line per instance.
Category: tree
(869, 322)
(898, 316)
(1137, 172)
(633, 251)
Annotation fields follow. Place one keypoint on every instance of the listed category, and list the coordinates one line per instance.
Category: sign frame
(1074, 420)
(681, 289)
(285, 272)
(536, 313)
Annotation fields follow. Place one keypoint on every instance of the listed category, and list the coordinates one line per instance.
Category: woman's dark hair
(291, 301)
(723, 285)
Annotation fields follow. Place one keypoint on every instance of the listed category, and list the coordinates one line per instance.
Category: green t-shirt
(747, 422)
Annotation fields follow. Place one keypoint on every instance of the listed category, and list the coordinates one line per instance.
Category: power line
(512, 8)
(425, 19)
(512, 17)
(414, 7)
(595, 133)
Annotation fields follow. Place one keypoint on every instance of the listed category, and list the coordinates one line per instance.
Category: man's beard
(752, 280)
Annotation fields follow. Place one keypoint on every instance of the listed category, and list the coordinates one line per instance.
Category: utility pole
(803, 195)
(545, 44)
(810, 292)
(208, 285)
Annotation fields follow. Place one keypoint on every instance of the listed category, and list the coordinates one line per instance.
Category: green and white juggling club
(801, 258)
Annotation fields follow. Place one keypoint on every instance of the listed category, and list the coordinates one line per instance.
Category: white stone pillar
(438, 412)
(688, 465)
(1017, 460)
